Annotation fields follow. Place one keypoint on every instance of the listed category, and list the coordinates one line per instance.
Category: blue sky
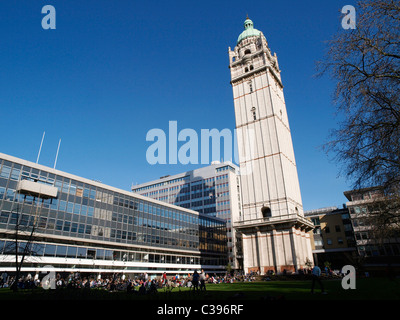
(111, 71)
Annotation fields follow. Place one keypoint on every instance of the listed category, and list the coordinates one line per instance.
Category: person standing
(195, 280)
(316, 277)
(202, 280)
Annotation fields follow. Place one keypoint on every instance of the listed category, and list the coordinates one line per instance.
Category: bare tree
(22, 244)
(365, 64)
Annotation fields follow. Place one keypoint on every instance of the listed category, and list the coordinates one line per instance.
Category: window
(266, 212)
(50, 224)
(91, 253)
(253, 110)
(71, 253)
(4, 216)
(5, 172)
(81, 252)
(2, 192)
(70, 207)
(67, 226)
(74, 227)
(50, 250)
(317, 230)
(345, 216)
(327, 230)
(81, 228)
(318, 242)
(316, 221)
(329, 241)
(340, 240)
(88, 229)
(59, 225)
(15, 174)
(337, 228)
(61, 251)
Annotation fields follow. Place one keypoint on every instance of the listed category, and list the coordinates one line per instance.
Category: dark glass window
(88, 229)
(67, 226)
(74, 227)
(327, 230)
(81, 228)
(59, 225)
(61, 251)
(81, 253)
(71, 252)
(4, 216)
(50, 224)
(50, 250)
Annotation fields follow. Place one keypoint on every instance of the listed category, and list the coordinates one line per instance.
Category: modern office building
(81, 225)
(332, 238)
(213, 190)
(275, 232)
(377, 245)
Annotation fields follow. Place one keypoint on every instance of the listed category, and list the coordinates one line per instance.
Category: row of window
(78, 205)
(329, 241)
(76, 252)
(77, 189)
(153, 212)
(164, 183)
(384, 250)
(185, 188)
(220, 169)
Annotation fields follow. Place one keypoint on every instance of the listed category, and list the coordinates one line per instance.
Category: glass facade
(209, 195)
(212, 190)
(95, 213)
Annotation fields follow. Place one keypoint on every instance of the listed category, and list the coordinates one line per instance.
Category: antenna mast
(55, 161)
(40, 149)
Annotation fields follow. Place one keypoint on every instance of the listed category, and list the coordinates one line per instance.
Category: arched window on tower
(266, 212)
(247, 51)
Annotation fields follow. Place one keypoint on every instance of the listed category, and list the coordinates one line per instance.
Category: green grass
(366, 289)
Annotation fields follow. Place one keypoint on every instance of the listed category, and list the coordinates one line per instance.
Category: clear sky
(113, 70)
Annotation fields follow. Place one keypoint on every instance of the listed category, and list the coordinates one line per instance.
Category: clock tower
(274, 230)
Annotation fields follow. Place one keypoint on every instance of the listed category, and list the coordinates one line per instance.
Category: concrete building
(377, 250)
(213, 190)
(275, 232)
(332, 238)
(85, 226)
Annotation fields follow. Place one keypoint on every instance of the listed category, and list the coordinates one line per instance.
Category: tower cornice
(255, 72)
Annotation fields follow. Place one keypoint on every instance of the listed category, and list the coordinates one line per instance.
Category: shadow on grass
(366, 289)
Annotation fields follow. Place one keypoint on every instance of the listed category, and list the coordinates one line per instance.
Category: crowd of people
(141, 284)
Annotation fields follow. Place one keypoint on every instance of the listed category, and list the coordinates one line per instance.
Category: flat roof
(100, 185)
(201, 173)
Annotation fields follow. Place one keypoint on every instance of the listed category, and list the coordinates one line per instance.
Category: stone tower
(272, 223)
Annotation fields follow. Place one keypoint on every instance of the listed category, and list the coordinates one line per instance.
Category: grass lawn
(366, 289)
